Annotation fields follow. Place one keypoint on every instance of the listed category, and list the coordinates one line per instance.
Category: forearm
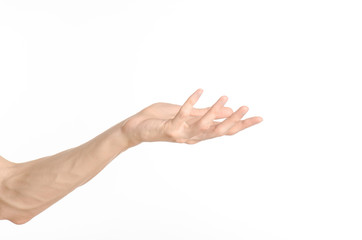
(31, 187)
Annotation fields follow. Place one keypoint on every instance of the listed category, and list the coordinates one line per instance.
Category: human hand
(185, 124)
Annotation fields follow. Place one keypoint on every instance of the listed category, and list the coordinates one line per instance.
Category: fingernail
(245, 108)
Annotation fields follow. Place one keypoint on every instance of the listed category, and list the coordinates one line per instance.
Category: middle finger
(212, 113)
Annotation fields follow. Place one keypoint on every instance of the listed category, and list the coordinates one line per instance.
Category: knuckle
(175, 136)
(182, 113)
(233, 132)
(180, 140)
(171, 134)
(219, 131)
(235, 119)
(212, 113)
(169, 131)
(202, 126)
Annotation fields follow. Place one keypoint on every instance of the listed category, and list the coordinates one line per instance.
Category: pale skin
(28, 188)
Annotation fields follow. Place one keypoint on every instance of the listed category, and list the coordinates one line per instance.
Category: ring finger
(228, 123)
(212, 113)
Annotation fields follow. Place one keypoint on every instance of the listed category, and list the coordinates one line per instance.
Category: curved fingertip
(199, 91)
(246, 108)
(224, 99)
(242, 109)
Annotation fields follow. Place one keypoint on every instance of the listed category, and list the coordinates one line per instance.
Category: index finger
(187, 107)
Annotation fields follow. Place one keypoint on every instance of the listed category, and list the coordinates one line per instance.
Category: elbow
(15, 216)
(20, 221)
(7, 210)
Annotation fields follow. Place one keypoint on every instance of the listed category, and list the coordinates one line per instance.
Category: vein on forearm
(33, 186)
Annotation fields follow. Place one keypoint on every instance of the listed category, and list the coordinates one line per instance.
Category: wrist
(128, 133)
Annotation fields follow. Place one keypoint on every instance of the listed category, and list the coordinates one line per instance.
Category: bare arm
(26, 189)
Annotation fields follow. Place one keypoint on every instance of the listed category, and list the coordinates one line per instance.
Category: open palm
(186, 124)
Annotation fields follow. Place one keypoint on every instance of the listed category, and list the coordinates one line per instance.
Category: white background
(71, 69)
